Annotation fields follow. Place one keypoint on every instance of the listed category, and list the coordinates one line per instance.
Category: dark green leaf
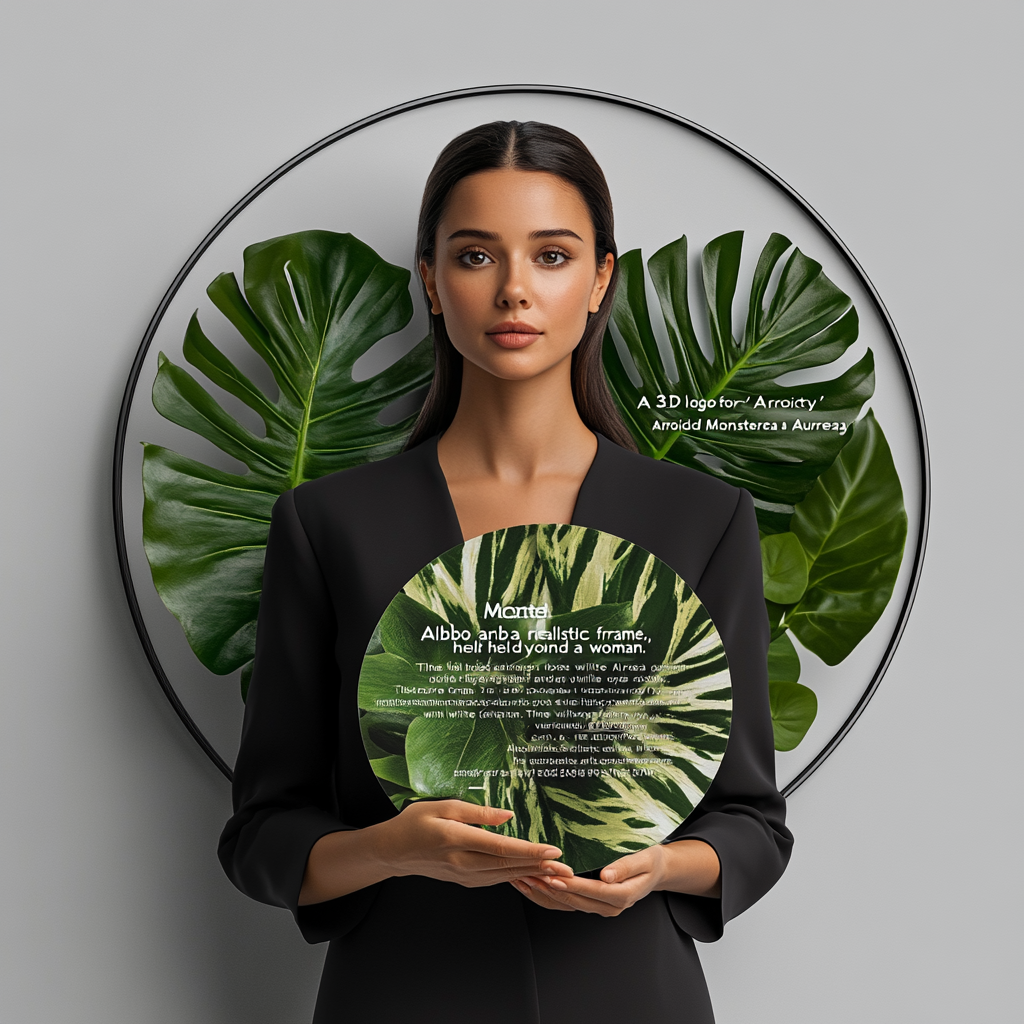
(783, 568)
(783, 661)
(808, 322)
(775, 613)
(381, 675)
(402, 632)
(384, 732)
(438, 748)
(794, 707)
(205, 533)
(314, 302)
(853, 527)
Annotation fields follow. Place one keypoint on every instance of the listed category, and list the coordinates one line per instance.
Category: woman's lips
(513, 334)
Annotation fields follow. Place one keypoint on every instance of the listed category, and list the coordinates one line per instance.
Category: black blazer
(414, 949)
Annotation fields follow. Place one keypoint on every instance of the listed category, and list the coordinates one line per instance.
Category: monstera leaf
(728, 416)
(827, 495)
(852, 527)
(588, 580)
(310, 305)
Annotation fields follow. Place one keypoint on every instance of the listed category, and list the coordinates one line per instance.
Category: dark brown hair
(525, 146)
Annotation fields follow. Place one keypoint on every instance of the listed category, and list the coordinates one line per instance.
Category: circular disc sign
(559, 672)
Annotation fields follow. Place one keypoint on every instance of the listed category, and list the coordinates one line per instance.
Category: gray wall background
(129, 128)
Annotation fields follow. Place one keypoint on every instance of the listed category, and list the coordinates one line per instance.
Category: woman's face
(515, 271)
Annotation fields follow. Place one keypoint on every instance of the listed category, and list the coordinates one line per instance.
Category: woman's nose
(514, 291)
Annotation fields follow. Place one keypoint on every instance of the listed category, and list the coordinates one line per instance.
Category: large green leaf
(313, 303)
(853, 527)
(808, 322)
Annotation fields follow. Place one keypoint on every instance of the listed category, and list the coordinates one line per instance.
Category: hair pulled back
(523, 146)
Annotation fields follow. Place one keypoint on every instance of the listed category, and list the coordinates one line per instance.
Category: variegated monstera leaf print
(557, 671)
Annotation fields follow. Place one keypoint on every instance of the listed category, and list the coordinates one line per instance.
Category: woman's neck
(516, 431)
(516, 453)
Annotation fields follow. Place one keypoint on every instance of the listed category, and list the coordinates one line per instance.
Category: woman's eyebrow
(487, 236)
(555, 233)
(493, 236)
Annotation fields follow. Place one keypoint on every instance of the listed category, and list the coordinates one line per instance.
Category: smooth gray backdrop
(129, 128)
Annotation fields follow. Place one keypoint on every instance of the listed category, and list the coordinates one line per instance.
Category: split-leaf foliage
(828, 500)
(312, 303)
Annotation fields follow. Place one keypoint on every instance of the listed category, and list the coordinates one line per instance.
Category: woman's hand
(439, 839)
(436, 838)
(689, 866)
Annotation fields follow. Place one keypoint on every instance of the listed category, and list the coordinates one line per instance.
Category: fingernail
(556, 883)
(551, 852)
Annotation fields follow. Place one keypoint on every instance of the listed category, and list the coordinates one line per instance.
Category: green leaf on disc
(853, 526)
(807, 322)
(783, 568)
(391, 768)
(310, 305)
(794, 707)
(438, 748)
(381, 673)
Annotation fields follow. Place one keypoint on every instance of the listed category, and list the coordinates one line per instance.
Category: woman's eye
(552, 258)
(474, 259)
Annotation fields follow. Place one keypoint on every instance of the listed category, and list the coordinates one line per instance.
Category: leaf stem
(296, 477)
(661, 452)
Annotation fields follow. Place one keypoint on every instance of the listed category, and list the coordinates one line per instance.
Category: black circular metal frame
(495, 90)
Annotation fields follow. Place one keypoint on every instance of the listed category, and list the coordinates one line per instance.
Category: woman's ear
(430, 283)
(601, 282)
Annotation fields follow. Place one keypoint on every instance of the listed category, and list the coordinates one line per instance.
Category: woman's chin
(518, 364)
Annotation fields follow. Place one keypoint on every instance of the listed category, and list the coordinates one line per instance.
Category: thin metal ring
(496, 90)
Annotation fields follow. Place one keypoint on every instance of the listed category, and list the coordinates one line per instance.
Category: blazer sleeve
(283, 788)
(742, 815)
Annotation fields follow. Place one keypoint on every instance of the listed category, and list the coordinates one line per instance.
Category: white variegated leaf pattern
(681, 691)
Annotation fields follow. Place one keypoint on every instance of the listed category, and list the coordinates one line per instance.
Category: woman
(429, 916)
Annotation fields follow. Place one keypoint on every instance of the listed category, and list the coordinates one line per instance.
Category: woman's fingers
(565, 900)
(471, 814)
(487, 842)
(442, 839)
(627, 867)
(591, 895)
(573, 901)
(505, 870)
(538, 896)
(505, 847)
